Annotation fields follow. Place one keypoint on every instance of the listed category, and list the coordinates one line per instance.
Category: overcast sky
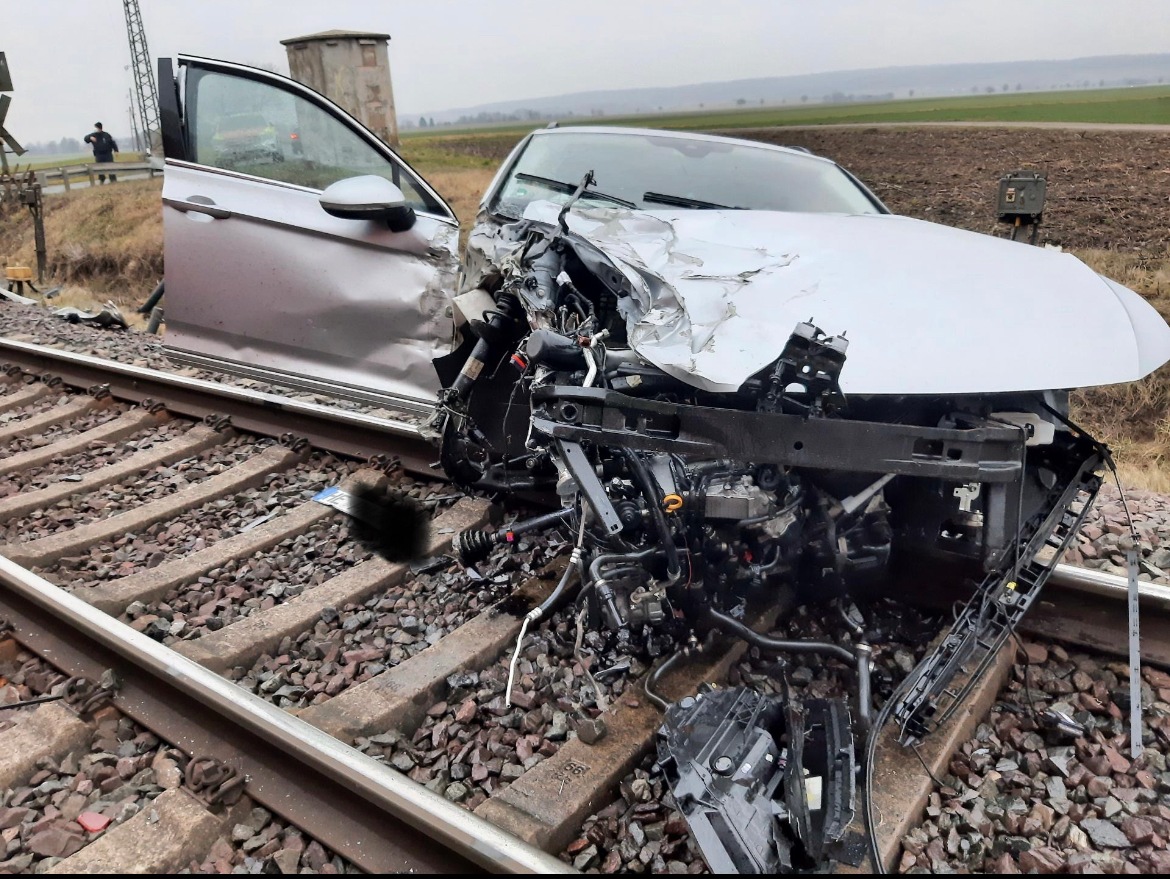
(69, 58)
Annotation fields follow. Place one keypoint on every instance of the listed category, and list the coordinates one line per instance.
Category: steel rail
(1108, 585)
(336, 430)
(447, 824)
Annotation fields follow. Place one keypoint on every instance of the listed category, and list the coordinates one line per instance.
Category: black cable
(39, 700)
(922, 760)
(883, 717)
(651, 680)
(1027, 685)
(644, 482)
(554, 599)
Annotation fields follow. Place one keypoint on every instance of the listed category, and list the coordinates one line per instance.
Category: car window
(258, 128)
(661, 171)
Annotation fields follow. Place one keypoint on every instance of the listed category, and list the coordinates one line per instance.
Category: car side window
(257, 128)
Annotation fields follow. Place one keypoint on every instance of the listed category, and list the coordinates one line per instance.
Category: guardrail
(92, 169)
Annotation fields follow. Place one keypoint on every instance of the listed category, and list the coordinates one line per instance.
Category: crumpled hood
(927, 309)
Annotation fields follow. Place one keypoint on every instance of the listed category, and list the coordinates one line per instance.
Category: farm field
(1108, 202)
(1106, 189)
(1135, 105)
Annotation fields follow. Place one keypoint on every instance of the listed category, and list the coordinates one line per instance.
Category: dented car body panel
(262, 281)
(325, 312)
(732, 401)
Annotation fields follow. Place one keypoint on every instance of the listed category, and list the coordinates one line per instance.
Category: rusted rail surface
(335, 430)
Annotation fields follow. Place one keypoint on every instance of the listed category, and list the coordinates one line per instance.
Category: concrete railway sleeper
(277, 612)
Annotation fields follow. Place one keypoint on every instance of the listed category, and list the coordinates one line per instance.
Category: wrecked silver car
(733, 370)
(738, 372)
(741, 377)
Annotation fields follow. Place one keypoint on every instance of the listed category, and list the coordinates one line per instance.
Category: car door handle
(199, 204)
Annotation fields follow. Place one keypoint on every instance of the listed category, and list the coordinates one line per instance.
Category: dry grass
(462, 189)
(1133, 419)
(107, 238)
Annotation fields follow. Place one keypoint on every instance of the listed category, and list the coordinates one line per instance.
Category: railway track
(164, 528)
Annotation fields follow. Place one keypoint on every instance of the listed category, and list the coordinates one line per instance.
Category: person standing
(104, 147)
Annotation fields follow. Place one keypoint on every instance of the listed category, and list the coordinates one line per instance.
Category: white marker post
(1135, 658)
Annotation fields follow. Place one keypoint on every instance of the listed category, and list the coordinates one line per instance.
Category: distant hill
(883, 83)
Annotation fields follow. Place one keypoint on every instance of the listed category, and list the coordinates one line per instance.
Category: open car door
(271, 276)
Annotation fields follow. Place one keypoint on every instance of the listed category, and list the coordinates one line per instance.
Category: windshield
(657, 171)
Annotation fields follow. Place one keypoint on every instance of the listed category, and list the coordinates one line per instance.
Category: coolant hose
(650, 685)
(642, 478)
(555, 598)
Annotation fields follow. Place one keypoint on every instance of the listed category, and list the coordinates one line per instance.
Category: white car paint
(927, 309)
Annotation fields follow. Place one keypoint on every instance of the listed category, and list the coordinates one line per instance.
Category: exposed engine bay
(689, 504)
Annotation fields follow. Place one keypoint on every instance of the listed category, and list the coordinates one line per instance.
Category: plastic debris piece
(107, 316)
(93, 822)
(766, 786)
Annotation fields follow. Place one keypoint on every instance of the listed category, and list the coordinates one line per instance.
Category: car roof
(684, 135)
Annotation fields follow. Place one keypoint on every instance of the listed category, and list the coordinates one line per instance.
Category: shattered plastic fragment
(765, 787)
(107, 316)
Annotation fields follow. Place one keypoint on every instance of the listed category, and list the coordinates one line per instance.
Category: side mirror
(369, 197)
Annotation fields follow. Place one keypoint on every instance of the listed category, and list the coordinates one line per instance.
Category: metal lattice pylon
(143, 73)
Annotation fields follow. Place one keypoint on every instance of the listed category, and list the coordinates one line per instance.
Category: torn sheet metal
(16, 298)
(716, 292)
(765, 786)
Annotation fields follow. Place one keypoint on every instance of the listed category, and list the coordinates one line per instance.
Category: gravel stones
(1104, 834)
(355, 642)
(286, 568)
(69, 803)
(262, 843)
(72, 427)
(155, 484)
(72, 467)
(639, 832)
(1020, 797)
(472, 743)
(22, 678)
(1105, 535)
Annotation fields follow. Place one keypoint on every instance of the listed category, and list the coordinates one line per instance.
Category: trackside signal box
(1021, 197)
